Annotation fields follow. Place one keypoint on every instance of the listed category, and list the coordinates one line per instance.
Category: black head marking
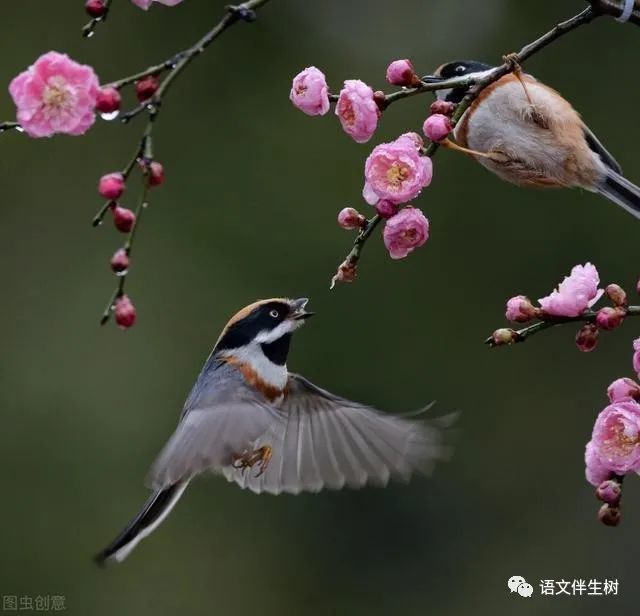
(459, 68)
(278, 350)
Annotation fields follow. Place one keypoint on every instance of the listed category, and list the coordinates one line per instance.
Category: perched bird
(527, 134)
(273, 431)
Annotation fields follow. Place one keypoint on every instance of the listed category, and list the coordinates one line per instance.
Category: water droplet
(110, 116)
(122, 273)
(20, 129)
(100, 222)
(90, 33)
(151, 108)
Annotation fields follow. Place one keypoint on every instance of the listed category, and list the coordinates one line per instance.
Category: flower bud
(520, 309)
(401, 73)
(638, 287)
(156, 173)
(347, 272)
(380, 99)
(608, 515)
(609, 318)
(124, 312)
(444, 107)
(146, 87)
(616, 294)
(123, 218)
(503, 336)
(587, 337)
(623, 388)
(436, 127)
(108, 100)
(386, 209)
(349, 218)
(610, 492)
(120, 261)
(95, 8)
(111, 186)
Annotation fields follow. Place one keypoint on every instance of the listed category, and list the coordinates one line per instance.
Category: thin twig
(6, 126)
(89, 29)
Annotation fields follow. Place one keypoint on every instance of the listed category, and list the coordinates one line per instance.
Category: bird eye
(460, 69)
(274, 313)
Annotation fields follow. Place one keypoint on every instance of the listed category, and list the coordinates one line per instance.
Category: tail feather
(155, 510)
(621, 191)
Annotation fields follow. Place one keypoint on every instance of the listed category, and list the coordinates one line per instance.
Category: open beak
(298, 313)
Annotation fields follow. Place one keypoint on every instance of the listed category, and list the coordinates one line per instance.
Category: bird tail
(155, 510)
(621, 191)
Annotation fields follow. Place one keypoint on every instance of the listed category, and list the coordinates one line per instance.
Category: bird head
(457, 68)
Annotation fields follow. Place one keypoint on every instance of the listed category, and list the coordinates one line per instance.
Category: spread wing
(595, 145)
(206, 438)
(329, 442)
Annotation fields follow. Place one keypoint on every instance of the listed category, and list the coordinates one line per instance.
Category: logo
(517, 583)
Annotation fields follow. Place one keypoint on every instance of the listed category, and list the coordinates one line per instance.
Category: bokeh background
(248, 211)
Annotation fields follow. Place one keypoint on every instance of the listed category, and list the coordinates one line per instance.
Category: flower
(349, 218)
(437, 126)
(636, 356)
(609, 318)
(520, 308)
(401, 73)
(145, 4)
(357, 110)
(596, 472)
(396, 172)
(623, 388)
(404, 232)
(616, 438)
(309, 92)
(575, 294)
(111, 186)
(55, 95)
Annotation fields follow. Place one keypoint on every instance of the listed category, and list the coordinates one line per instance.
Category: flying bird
(270, 430)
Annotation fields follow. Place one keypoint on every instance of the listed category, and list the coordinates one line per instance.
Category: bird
(528, 134)
(269, 430)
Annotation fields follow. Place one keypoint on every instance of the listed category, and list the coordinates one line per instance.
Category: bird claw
(259, 457)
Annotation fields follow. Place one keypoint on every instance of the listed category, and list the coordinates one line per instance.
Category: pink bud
(623, 388)
(120, 261)
(520, 309)
(587, 337)
(608, 515)
(616, 294)
(386, 209)
(95, 8)
(111, 186)
(108, 100)
(638, 287)
(124, 312)
(444, 107)
(123, 218)
(347, 272)
(146, 87)
(609, 492)
(156, 173)
(401, 73)
(349, 218)
(503, 336)
(436, 127)
(609, 318)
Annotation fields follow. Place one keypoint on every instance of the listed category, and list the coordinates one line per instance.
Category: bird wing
(207, 438)
(596, 146)
(329, 442)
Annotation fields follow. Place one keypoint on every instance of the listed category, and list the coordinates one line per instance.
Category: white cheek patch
(286, 327)
(267, 371)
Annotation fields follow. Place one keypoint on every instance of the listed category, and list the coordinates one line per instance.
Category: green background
(248, 211)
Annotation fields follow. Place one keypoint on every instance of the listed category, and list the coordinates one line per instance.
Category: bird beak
(298, 313)
(431, 79)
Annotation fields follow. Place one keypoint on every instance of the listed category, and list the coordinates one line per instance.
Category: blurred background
(247, 211)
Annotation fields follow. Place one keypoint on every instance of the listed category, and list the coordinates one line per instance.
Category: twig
(548, 321)
(89, 29)
(614, 8)
(6, 126)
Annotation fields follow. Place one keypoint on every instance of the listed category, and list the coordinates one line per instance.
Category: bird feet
(249, 459)
(452, 145)
(511, 60)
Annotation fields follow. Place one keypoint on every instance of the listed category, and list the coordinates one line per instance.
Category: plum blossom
(623, 388)
(55, 95)
(575, 293)
(145, 4)
(309, 92)
(404, 232)
(636, 356)
(357, 110)
(520, 309)
(437, 126)
(596, 471)
(401, 73)
(396, 172)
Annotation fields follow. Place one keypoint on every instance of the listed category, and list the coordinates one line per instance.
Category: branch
(143, 153)
(615, 8)
(6, 126)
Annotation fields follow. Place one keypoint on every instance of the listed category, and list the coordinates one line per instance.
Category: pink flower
(437, 126)
(55, 95)
(575, 294)
(623, 388)
(357, 110)
(616, 438)
(520, 308)
(309, 92)
(401, 73)
(636, 356)
(596, 472)
(145, 4)
(404, 232)
(396, 172)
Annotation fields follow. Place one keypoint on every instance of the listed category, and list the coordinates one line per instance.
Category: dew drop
(110, 116)
(90, 33)
(122, 273)
(19, 129)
